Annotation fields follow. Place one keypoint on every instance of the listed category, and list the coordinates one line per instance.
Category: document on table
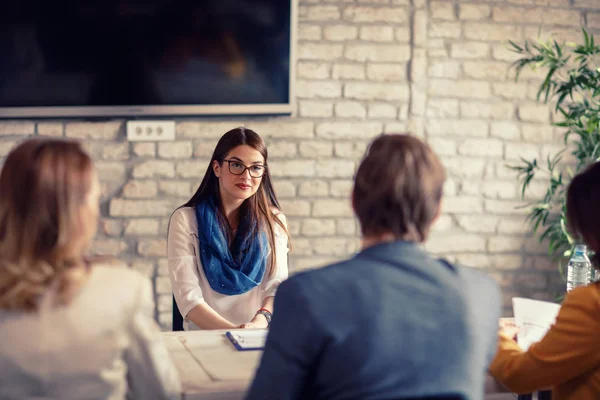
(534, 318)
(248, 339)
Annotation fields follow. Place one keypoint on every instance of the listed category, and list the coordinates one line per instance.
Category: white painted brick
(450, 30)
(382, 110)
(309, 32)
(144, 149)
(285, 189)
(469, 50)
(313, 70)
(108, 247)
(376, 91)
(437, 52)
(182, 149)
(6, 147)
(316, 149)
(50, 128)
(175, 188)
(348, 71)
(111, 227)
(143, 267)
(346, 226)
(377, 33)
(518, 14)
(489, 32)
(204, 130)
(509, 207)
(292, 168)
(330, 246)
(509, 90)
(443, 224)
(163, 285)
(335, 168)
(93, 130)
(283, 149)
(401, 127)
(350, 149)
(514, 226)
(442, 108)
(442, 10)
(140, 208)
(502, 52)
(478, 223)
(115, 151)
(556, 33)
(164, 303)
(462, 205)
(313, 188)
(294, 229)
(586, 4)
(593, 20)
(152, 247)
(319, 51)
(191, 169)
(460, 88)
(308, 263)
(140, 189)
(534, 112)
(350, 109)
(420, 28)
(490, 70)
(142, 227)
(317, 109)
(295, 208)
(402, 34)
(452, 243)
(348, 130)
(396, 15)
(340, 32)
(537, 133)
(503, 244)
(473, 260)
(8, 128)
(315, 90)
(474, 11)
(110, 171)
(494, 110)
(500, 190)
(444, 127)
(464, 167)
(320, 13)
(318, 227)
(331, 208)
(482, 147)
(514, 151)
(283, 129)
(378, 52)
(386, 72)
(154, 168)
(505, 130)
(442, 146)
(444, 69)
(562, 18)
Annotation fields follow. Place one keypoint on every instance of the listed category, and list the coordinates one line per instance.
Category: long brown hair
(583, 215)
(259, 206)
(43, 186)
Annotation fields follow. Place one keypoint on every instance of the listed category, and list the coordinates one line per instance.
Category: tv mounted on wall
(86, 58)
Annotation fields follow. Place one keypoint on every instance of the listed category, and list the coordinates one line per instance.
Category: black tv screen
(153, 57)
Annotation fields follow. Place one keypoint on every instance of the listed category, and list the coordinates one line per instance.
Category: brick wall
(436, 68)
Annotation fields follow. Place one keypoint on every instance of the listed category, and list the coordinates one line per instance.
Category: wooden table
(209, 366)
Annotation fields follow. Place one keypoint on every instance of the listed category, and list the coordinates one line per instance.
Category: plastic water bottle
(579, 272)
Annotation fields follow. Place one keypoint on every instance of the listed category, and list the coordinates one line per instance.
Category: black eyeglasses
(238, 168)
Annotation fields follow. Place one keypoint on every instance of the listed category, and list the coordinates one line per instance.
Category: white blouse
(189, 283)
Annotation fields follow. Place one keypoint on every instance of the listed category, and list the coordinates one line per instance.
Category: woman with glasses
(227, 246)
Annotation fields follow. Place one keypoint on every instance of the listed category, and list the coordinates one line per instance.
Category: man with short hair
(391, 322)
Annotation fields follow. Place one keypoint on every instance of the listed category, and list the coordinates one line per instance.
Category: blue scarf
(230, 272)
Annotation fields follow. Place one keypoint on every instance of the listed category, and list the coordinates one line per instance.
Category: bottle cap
(580, 249)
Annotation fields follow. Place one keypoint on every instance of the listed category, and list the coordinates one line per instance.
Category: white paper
(533, 318)
(250, 338)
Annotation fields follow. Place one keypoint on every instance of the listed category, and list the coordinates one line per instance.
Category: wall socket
(150, 131)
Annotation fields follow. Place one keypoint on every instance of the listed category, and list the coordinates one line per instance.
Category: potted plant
(572, 84)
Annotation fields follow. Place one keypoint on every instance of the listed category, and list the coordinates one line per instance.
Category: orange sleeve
(569, 349)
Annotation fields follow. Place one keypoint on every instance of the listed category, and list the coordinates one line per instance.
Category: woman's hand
(258, 322)
(508, 328)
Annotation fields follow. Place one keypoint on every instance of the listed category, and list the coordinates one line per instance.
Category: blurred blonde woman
(70, 329)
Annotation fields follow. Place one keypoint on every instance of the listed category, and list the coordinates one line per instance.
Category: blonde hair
(44, 187)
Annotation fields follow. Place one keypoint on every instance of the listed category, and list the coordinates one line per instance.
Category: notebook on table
(248, 339)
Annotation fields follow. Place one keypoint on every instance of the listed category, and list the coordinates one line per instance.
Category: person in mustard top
(567, 359)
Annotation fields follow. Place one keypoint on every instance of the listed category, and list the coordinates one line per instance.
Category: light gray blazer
(103, 345)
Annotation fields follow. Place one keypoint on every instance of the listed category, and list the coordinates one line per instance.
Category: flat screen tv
(86, 58)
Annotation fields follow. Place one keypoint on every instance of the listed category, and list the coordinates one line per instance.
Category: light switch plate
(150, 131)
